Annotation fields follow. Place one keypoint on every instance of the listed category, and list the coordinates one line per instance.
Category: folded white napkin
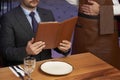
(19, 70)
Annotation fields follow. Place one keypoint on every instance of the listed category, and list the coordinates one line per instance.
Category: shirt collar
(27, 12)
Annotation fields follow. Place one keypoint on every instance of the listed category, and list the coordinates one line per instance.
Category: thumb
(31, 41)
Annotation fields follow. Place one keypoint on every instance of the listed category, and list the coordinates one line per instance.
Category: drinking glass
(29, 66)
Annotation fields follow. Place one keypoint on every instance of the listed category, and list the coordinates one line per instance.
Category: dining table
(85, 66)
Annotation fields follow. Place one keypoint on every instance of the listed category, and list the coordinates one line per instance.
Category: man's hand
(64, 46)
(34, 48)
(90, 9)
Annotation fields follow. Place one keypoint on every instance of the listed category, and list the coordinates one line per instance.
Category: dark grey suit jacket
(16, 32)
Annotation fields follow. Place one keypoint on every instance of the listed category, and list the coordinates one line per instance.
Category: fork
(20, 75)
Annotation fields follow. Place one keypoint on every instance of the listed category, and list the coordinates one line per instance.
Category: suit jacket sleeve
(63, 53)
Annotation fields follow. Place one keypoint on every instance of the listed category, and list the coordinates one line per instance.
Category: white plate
(56, 68)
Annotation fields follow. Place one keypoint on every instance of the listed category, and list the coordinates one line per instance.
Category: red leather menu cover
(52, 33)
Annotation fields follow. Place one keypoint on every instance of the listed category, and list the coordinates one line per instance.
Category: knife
(20, 75)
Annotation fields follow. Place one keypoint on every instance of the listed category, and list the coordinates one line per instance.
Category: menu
(52, 33)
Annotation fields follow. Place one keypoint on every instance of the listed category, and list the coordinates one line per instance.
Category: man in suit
(17, 36)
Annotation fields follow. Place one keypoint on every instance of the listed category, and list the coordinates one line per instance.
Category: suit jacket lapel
(44, 15)
(21, 17)
(41, 14)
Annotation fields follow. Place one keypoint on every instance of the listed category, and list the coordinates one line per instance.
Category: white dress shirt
(116, 6)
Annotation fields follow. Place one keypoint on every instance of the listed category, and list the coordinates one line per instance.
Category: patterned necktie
(34, 22)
